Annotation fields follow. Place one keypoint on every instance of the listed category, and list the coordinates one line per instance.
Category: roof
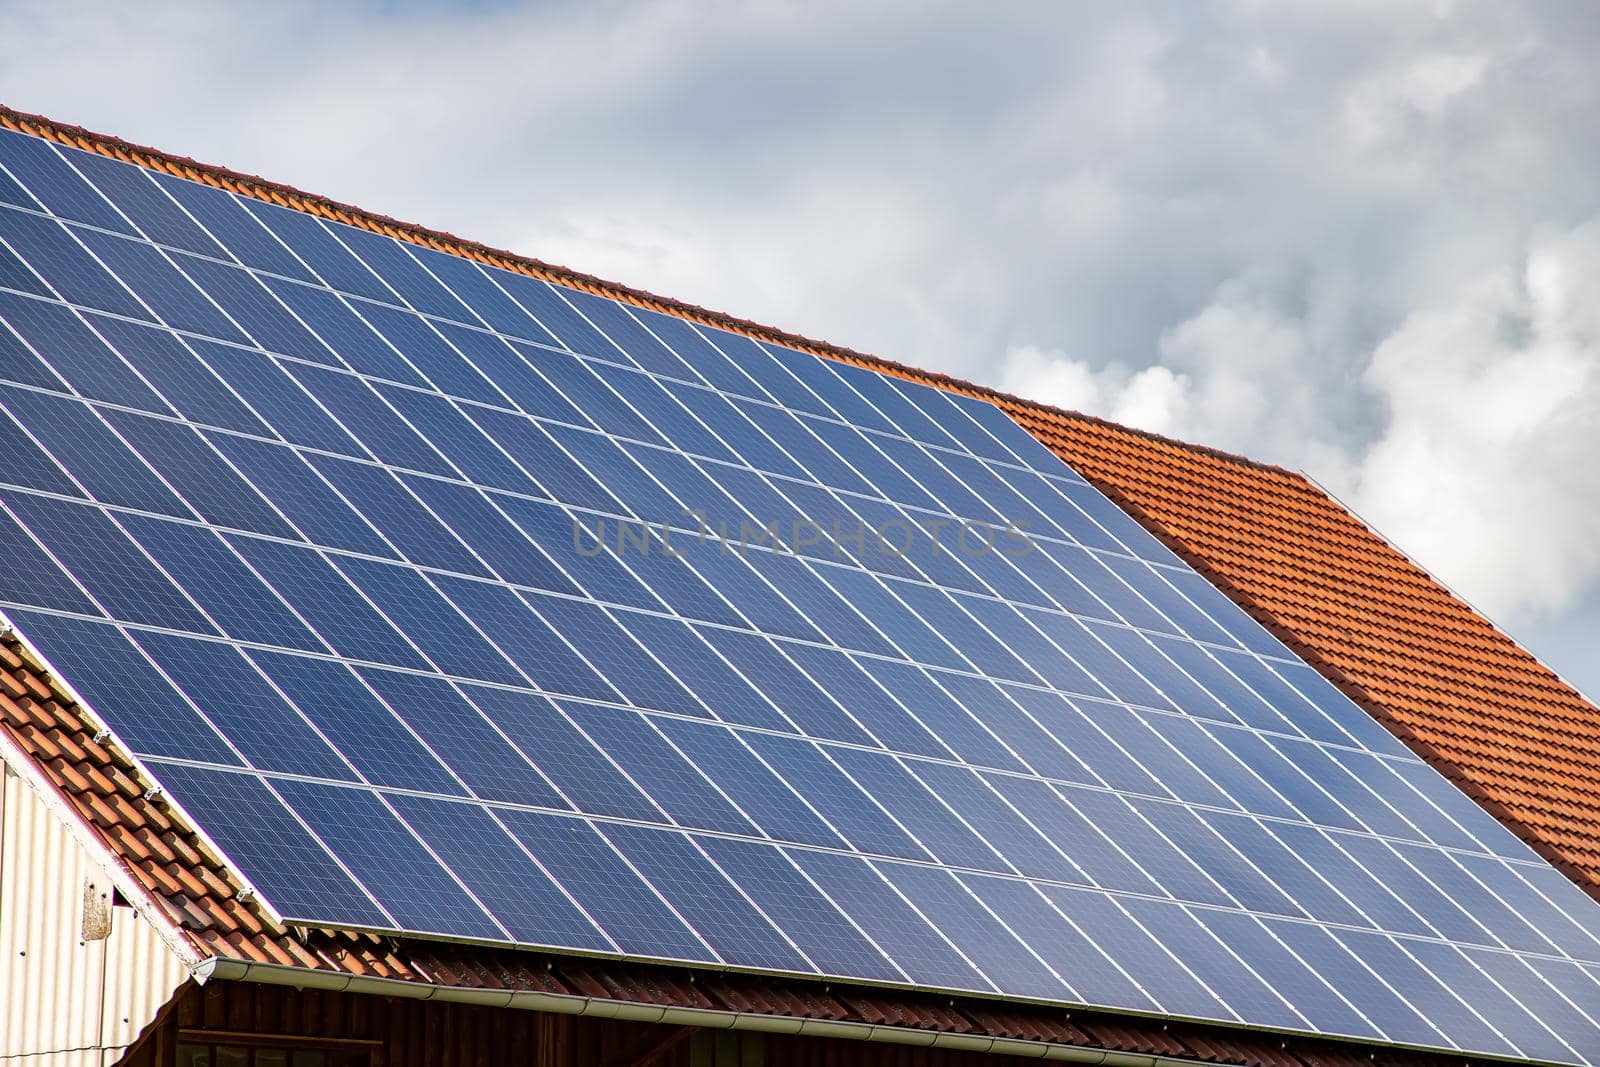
(184, 888)
(1460, 693)
(1463, 695)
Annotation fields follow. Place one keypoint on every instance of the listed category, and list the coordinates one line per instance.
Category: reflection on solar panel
(447, 601)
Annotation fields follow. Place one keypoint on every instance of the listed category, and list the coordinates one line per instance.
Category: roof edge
(326, 207)
(26, 766)
(227, 969)
(1126, 1039)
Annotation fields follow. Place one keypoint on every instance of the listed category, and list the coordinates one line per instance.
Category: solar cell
(378, 560)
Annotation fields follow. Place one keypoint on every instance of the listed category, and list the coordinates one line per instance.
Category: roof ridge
(289, 196)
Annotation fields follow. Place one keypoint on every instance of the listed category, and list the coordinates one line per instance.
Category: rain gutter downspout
(234, 970)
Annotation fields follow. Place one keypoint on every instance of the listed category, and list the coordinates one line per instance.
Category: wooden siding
(412, 1033)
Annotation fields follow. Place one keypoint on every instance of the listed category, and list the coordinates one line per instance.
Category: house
(143, 918)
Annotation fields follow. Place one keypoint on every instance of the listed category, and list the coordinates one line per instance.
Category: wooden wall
(409, 1033)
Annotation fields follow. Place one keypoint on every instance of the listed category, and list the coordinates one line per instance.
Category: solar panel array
(450, 602)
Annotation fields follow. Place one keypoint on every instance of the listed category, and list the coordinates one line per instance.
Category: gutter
(235, 970)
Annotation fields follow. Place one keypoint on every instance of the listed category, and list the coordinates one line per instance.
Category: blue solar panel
(449, 602)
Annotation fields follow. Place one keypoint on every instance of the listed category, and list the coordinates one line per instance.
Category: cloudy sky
(1359, 239)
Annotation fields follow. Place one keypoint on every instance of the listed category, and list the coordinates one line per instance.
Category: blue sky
(1361, 239)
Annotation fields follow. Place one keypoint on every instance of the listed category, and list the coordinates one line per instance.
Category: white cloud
(1483, 465)
(1486, 470)
(1250, 365)
(1239, 374)
(1346, 237)
(1153, 398)
(1421, 87)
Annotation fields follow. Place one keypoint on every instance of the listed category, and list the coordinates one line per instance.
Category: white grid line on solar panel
(1012, 876)
(936, 669)
(1120, 904)
(1364, 965)
(373, 380)
(228, 430)
(336, 228)
(1163, 711)
(949, 402)
(760, 397)
(1118, 579)
(1241, 808)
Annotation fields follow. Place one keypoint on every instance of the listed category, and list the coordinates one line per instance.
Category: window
(193, 1053)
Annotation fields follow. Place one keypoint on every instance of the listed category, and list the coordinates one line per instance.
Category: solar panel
(450, 602)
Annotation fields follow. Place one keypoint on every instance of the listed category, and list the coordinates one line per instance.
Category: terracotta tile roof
(1459, 692)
